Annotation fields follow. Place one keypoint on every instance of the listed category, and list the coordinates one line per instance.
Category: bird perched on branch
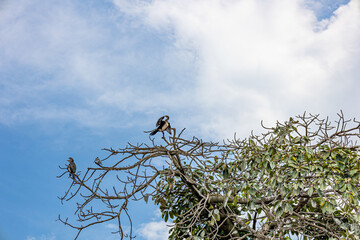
(162, 125)
(98, 161)
(71, 167)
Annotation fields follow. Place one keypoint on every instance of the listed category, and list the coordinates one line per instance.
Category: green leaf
(289, 208)
(356, 176)
(319, 192)
(352, 172)
(217, 214)
(272, 165)
(309, 150)
(212, 221)
(272, 151)
(227, 198)
(343, 188)
(322, 184)
(243, 165)
(337, 221)
(253, 191)
(312, 168)
(226, 173)
(326, 155)
(293, 165)
(328, 207)
(202, 234)
(296, 191)
(277, 205)
(283, 191)
(252, 205)
(279, 212)
(310, 191)
(313, 203)
(236, 198)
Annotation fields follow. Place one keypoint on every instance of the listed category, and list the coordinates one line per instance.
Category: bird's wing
(98, 161)
(73, 166)
(159, 121)
(168, 129)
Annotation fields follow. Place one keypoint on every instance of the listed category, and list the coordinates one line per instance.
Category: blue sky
(76, 77)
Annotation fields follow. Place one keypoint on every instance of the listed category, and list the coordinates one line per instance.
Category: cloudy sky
(78, 76)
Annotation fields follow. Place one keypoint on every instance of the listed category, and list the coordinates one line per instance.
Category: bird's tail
(154, 132)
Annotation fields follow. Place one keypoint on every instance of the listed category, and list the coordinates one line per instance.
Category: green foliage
(290, 181)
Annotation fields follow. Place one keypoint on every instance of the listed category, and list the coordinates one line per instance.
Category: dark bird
(71, 167)
(98, 161)
(161, 126)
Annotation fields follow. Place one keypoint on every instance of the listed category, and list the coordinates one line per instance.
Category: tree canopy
(300, 179)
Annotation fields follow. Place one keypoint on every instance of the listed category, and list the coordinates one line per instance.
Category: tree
(299, 179)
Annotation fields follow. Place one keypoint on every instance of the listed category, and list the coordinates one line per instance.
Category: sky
(79, 76)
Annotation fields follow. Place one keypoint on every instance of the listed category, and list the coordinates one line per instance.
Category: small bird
(71, 167)
(162, 125)
(98, 161)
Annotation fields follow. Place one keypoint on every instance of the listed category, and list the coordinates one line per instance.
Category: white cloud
(157, 213)
(154, 230)
(112, 226)
(58, 61)
(260, 60)
(42, 237)
(215, 66)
